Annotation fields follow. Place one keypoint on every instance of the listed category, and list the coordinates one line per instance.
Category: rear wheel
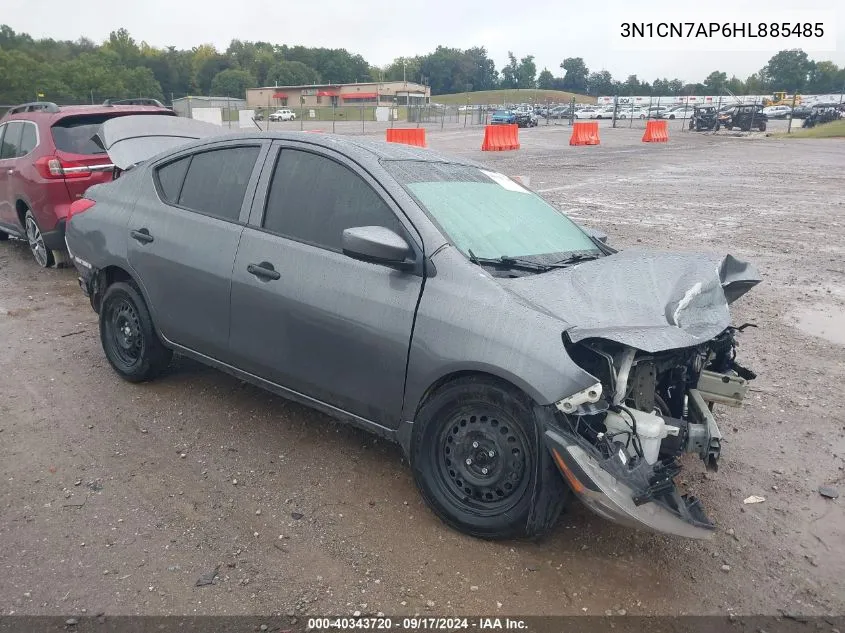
(43, 256)
(479, 460)
(128, 336)
(3, 236)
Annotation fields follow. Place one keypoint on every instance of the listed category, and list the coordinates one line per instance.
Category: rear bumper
(612, 495)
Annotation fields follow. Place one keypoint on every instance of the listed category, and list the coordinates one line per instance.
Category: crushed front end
(618, 443)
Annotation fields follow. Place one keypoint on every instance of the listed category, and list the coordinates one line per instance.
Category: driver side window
(312, 199)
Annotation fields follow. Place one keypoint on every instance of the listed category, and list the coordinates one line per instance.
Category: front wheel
(478, 458)
(128, 336)
(762, 127)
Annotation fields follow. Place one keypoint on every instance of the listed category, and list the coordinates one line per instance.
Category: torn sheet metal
(650, 300)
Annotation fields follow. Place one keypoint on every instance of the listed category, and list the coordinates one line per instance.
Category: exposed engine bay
(623, 436)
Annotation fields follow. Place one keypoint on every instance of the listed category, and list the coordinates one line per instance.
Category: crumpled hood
(650, 300)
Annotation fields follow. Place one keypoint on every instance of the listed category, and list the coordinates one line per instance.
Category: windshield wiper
(511, 262)
(574, 258)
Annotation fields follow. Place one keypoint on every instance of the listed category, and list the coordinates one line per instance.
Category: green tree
(292, 74)
(577, 74)
(715, 82)
(140, 82)
(601, 84)
(676, 86)
(825, 77)
(526, 72)
(631, 86)
(736, 85)
(232, 83)
(509, 72)
(787, 70)
(546, 80)
(484, 73)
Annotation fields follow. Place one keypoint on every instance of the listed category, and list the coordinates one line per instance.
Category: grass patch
(834, 129)
(511, 96)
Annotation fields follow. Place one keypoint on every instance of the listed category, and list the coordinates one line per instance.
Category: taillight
(52, 167)
(78, 206)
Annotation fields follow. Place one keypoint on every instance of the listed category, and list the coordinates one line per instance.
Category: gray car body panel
(649, 300)
(466, 319)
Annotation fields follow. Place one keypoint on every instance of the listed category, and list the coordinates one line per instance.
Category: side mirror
(377, 245)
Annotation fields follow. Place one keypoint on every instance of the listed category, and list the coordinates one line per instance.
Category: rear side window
(216, 181)
(29, 138)
(11, 140)
(170, 179)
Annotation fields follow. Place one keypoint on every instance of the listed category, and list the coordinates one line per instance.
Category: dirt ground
(118, 498)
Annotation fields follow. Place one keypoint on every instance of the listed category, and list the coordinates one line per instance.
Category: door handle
(142, 235)
(264, 270)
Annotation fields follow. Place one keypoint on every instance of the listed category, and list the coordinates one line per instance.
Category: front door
(306, 316)
(183, 238)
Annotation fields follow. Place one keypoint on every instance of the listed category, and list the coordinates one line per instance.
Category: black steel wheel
(479, 460)
(128, 337)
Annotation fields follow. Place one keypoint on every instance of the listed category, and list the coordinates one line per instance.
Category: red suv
(47, 160)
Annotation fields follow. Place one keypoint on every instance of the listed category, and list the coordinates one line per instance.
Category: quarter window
(29, 139)
(10, 146)
(216, 181)
(313, 199)
(171, 177)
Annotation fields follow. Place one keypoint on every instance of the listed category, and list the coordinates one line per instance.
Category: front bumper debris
(644, 497)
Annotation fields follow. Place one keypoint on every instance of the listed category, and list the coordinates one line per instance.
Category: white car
(682, 112)
(586, 113)
(657, 112)
(604, 113)
(283, 114)
(778, 112)
(631, 113)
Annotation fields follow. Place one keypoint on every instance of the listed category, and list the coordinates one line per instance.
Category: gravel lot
(118, 498)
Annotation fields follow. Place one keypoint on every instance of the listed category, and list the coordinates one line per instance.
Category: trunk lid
(130, 140)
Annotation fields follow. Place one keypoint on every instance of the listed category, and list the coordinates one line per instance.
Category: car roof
(354, 147)
(77, 110)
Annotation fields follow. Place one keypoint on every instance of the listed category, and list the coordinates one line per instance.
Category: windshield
(501, 113)
(489, 214)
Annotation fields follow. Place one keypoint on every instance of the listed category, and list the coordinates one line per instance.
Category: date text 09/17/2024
(416, 623)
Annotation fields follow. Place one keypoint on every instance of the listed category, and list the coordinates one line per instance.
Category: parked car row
(508, 380)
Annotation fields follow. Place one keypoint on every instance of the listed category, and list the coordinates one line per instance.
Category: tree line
(82, 71)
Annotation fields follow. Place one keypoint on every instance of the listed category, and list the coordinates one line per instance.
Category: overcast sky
(381, 30)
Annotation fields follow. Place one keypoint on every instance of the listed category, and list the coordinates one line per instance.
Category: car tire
(43, 256)
(510, 488)
(3, 236)
(762, 127)
(128, 335)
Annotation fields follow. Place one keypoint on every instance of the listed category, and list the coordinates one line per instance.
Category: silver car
(514, 355)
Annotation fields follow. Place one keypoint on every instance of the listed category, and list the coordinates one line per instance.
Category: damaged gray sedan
(514, 355)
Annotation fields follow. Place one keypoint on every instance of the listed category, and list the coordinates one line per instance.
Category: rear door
(10, 141)
(306, 316)
(183, 235)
